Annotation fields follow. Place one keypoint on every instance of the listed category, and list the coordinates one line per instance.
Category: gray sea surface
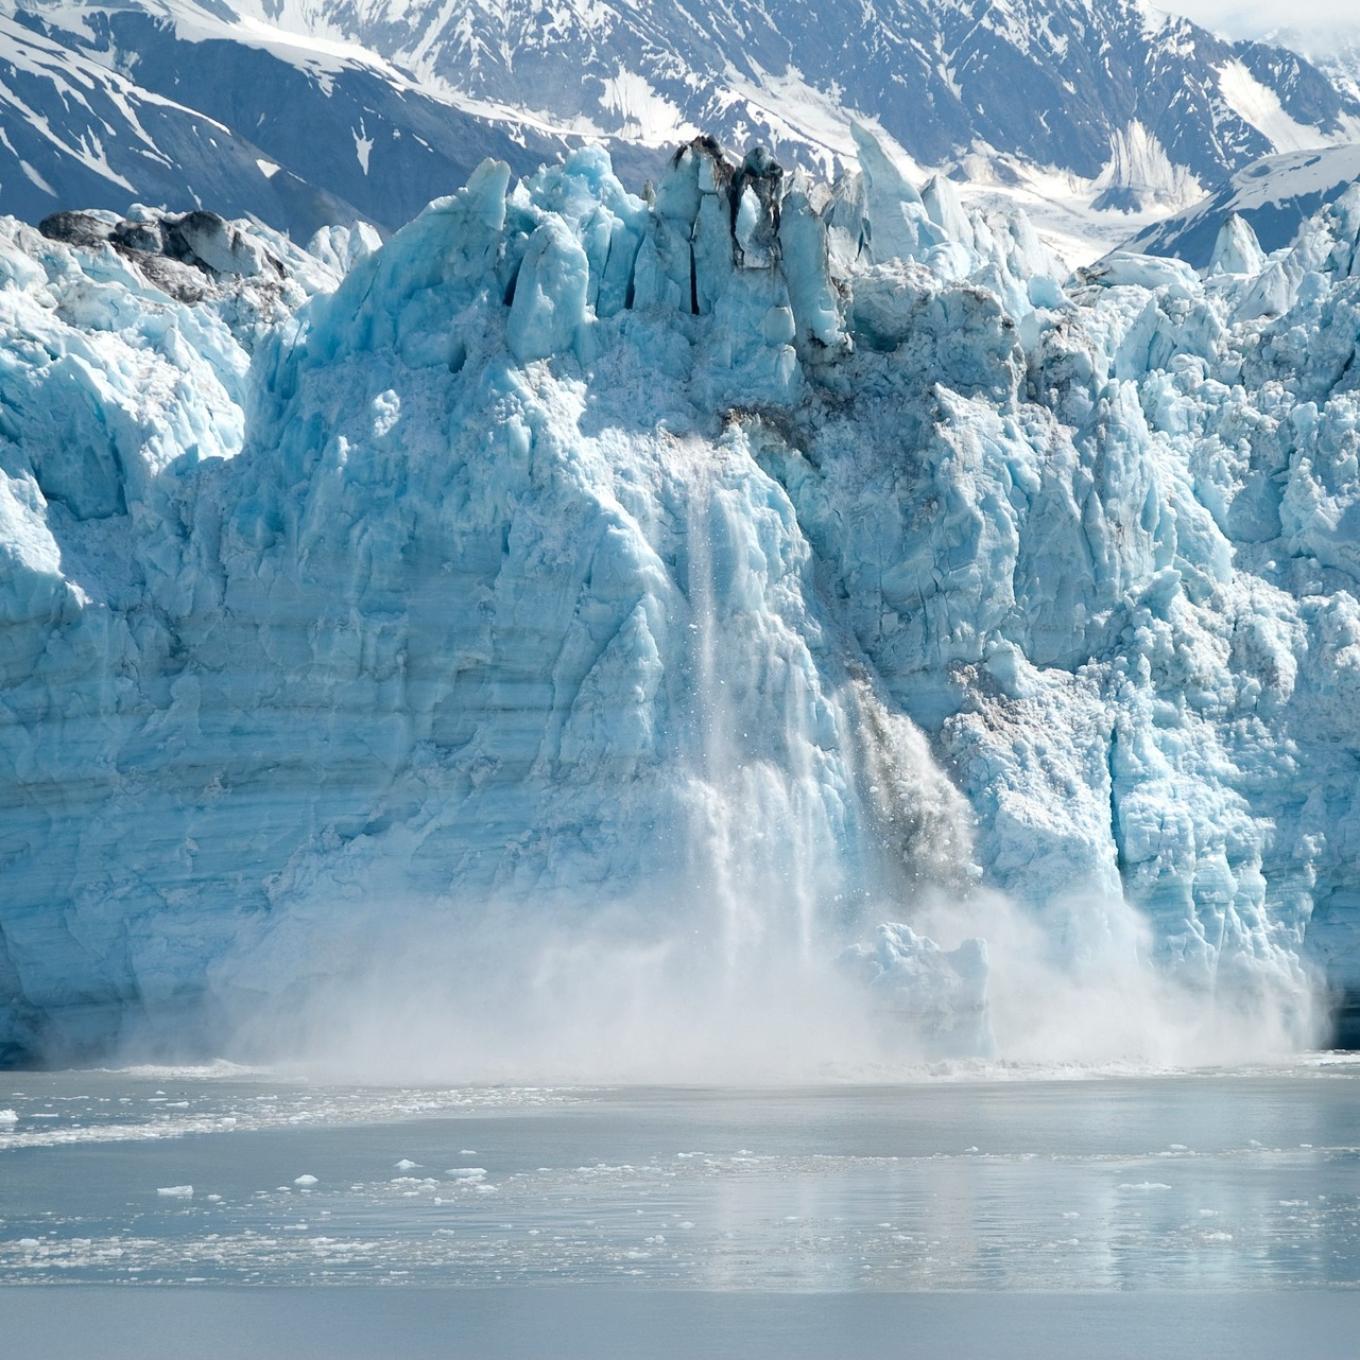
(1040, 1215)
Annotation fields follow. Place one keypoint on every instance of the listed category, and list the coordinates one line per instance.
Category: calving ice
(752, 606)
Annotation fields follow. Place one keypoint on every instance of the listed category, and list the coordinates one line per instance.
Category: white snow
(36, 178)
(1140, 169)
(642, 113)
(363, 146)
(1260, 106)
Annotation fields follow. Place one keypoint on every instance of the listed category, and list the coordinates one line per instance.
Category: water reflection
(1211, 1181)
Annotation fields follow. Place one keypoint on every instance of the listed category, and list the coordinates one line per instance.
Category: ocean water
(1145, 1196)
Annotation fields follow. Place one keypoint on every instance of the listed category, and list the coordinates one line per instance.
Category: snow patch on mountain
(1140, 175)
(644, 114)
(1057, 105)
(1274, 196)
(1260, 106)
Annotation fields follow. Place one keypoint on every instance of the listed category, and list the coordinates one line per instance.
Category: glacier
(815, 572)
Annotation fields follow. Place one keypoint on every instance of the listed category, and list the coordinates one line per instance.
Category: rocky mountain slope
(1275, 196)
(304, 111)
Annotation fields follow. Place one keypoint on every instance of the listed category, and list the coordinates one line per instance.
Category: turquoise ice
(778, 557)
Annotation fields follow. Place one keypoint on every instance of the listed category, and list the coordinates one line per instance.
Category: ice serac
(777, 560)
(1237, 251)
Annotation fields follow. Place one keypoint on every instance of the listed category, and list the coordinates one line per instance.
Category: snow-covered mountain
(1334, 48)
(109, 107)
(368, 110)
(74, 131)
(761, 562)
(1061, 83)
(1275, 196)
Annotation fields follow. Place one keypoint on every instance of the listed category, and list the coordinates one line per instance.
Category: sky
(1245, 18)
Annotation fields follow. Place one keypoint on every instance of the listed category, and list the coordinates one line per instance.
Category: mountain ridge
(1083, 105)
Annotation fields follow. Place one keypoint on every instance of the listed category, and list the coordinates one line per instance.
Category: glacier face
(774, 557)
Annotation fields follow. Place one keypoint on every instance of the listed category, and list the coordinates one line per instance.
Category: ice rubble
(760, 550)
(941, 991)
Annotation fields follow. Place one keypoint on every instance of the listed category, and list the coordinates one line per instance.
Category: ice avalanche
(751, 598)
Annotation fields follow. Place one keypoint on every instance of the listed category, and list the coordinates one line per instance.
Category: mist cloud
(1253, 18)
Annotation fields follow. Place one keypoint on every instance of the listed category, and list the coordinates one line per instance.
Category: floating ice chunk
(176, 1191)
(305, 1179)
(466, 1173)
(406, 1164)
(9, 1117)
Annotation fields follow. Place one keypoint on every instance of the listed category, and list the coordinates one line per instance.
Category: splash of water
(770, 811)
(812, 814)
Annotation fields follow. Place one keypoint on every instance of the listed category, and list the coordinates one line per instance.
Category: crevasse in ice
(755, 549)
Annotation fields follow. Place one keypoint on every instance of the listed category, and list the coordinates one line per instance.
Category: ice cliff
(770, 554)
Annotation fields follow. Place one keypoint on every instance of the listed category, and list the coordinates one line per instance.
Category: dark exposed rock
(183, 254)
(756, 190)
(76, 228)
